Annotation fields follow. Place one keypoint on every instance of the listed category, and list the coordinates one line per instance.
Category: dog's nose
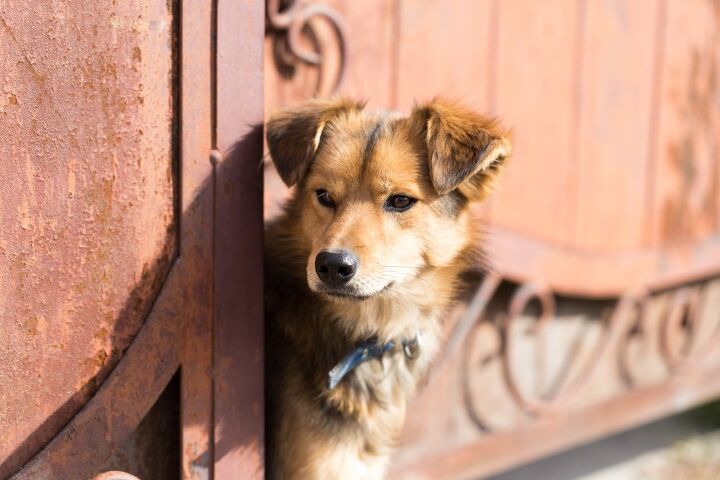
(336, 268)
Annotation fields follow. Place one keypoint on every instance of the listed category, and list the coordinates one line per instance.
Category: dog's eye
(324, 198)
(399, 203)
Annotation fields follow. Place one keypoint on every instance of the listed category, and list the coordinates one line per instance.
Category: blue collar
(367, 351)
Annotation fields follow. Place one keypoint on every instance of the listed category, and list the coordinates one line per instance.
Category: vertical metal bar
(196, 197)
(238, 241)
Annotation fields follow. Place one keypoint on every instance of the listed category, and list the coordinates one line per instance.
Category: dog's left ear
(466, 151)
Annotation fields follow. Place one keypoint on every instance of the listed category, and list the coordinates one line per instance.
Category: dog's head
(383, 197)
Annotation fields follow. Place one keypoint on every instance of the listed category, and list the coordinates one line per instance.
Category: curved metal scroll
(288, 21)
(682, 343)
(682, 320)
(538, 405)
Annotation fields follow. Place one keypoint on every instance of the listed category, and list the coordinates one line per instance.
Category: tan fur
(443, 155)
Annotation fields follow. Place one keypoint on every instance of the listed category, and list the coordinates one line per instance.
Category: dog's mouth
(352, 294)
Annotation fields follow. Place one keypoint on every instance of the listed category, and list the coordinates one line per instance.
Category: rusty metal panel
(536, 72)
(194, 296)
(108, 258)
(88, 227)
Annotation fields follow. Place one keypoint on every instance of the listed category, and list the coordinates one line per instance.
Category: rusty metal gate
(602, 312)
(130, 236)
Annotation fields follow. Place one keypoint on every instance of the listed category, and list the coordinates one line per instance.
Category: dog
(360, 268)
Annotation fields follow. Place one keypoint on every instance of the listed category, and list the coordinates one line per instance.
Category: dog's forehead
(368, 147)
(362, 128)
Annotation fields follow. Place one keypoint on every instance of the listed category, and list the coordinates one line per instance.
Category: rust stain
(677, 223)
(36, 75)
(103, 334)
(96, 362)
(30, 326)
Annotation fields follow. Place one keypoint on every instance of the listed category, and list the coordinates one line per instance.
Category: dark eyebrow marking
(372, 140)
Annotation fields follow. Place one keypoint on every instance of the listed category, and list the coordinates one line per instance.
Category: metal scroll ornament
(685, 341)
(293, 27)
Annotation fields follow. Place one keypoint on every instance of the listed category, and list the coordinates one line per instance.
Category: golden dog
(360, 269)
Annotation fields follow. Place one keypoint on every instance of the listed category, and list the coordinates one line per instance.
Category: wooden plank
(615, 123)
(684, 204)
(536, 85)
(444, 48)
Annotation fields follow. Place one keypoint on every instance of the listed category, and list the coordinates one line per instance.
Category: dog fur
(410, 264)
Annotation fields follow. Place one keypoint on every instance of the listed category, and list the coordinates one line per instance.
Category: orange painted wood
(536, 85)
(444, 49)
(618, 56)
(685, 198)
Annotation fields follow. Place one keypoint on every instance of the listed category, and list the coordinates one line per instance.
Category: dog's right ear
(294, 135)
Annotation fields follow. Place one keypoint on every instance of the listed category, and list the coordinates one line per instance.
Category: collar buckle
(367, 351)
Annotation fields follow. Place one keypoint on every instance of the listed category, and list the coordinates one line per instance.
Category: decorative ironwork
(681, 341)
(683, 320)
(288, 22)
